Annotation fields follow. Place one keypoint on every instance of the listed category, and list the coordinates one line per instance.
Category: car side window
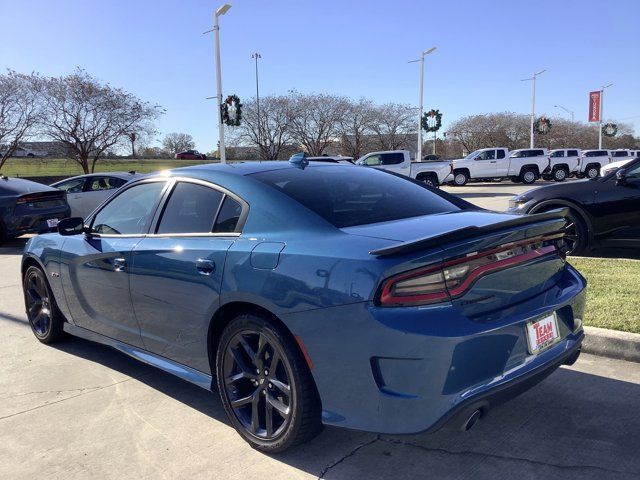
(102, 183)
(500, 153)
(228, 217)
(191, 208)
(72, 186)
(558, 154)
(633, 173)
(487, 155)
(392, 158)
(572, 153)
(373, 160)
(130, 212)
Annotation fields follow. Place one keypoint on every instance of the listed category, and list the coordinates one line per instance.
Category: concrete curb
(612, 344)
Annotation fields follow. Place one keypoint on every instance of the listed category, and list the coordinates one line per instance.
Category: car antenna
(299, 160)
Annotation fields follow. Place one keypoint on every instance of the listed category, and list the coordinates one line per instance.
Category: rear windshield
(347, 197)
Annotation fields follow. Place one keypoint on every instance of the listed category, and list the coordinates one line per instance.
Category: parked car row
(529, 164)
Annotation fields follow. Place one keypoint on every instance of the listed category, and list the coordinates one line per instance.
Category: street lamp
(216, 32)
(256, 56)
(601, 114)
(533, 101)
(570, 112)
(421, 60)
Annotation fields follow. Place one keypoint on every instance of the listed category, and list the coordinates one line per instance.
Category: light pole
(533, 101)
(420, 96)
(601, 115)
(566, 110)
(256, 56)
(216, 32)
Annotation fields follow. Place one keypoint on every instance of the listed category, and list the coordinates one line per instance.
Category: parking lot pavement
(81, 410)
(492, 195)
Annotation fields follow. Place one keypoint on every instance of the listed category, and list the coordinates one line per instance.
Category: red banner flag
(594, 106)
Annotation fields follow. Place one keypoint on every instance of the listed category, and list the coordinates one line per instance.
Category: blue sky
(356, 48)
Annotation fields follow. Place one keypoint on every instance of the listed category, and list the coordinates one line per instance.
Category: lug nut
(270, 385)
(266, 372)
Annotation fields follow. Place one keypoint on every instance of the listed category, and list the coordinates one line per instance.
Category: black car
(603, 212)
(29, 207)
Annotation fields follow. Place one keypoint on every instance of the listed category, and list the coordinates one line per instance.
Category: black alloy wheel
(43, 314)
(575, 240)
(265, 385)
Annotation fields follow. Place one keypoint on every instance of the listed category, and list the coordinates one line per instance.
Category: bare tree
(315, 120)
(269, 135)
(91, 118)
(178, 142)
(20, 110)
(355, 127)
(391, 124)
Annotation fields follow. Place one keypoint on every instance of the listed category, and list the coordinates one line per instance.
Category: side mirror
(621, 176)
(71, 226)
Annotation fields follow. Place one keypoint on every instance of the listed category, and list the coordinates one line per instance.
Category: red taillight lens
(419, 287)
(40, 197)
(455, 277)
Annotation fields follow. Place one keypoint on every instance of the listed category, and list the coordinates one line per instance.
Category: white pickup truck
(565, 162)
(524, 165)
(432, 173)
(592, 162)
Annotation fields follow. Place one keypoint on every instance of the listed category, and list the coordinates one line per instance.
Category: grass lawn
(613, 293)
(36, 167)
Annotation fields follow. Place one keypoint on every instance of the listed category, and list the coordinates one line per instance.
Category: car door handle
(119, 264)
(493, 161)
(205, 267)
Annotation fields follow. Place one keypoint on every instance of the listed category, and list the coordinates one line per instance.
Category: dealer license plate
(543, 333)
(52, 222)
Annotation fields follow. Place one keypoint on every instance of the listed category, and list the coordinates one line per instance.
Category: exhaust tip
(471, 420)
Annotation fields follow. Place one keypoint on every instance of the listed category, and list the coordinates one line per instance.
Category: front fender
(44, 251)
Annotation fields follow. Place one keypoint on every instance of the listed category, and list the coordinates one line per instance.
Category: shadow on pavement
(572, 425)
(13, 246)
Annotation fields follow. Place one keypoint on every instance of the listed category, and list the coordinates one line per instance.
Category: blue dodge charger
(312, 294)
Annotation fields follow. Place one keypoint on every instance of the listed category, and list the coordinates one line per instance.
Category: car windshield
(349, 196)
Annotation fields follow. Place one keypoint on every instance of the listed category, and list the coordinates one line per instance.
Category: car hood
(559, 189)
(408, 229)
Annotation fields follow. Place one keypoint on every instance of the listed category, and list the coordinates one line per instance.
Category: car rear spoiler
(470, 232)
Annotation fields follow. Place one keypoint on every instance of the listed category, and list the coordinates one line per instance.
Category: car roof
(19, 186)
(248, 167)
(122, 175)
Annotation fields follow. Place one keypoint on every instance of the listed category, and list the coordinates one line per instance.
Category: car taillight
(40, 197)
(455, 277)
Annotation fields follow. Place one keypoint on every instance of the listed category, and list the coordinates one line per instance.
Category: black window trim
(155, 224)
(92, 217)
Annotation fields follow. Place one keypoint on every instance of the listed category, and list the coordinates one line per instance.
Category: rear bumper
(410, 370)
(34, 222)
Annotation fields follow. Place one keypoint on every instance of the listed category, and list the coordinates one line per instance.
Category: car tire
(592, 172)
(528, 176)
(560, 174)
(460, 178)
(44, 317)
(576, 239)
(253, 389)
(430, 181)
